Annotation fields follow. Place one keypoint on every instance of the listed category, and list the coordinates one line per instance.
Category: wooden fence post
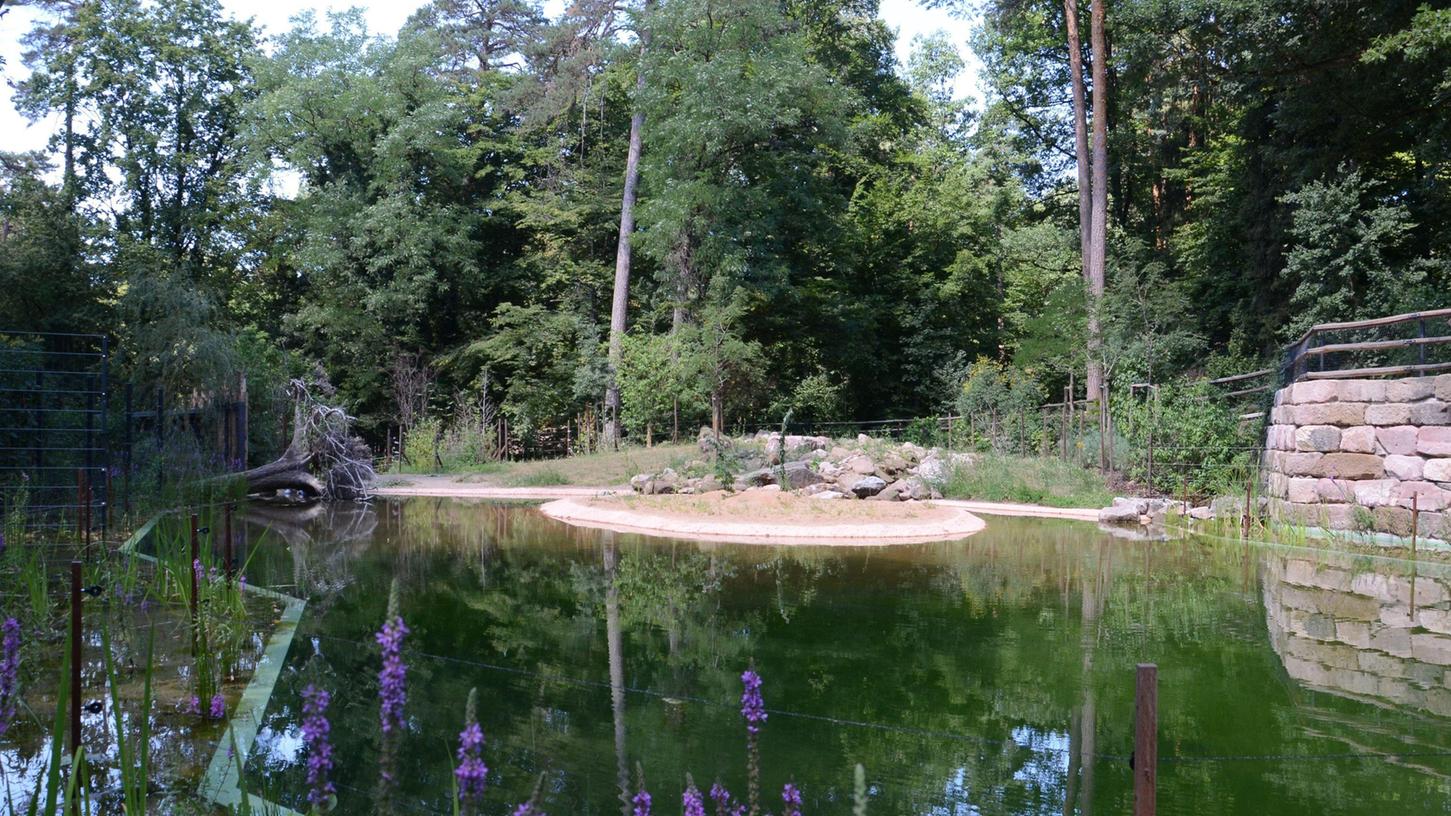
(1146, 737)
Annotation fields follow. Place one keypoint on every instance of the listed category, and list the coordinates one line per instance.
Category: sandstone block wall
(1352, 454)
(1362, 634)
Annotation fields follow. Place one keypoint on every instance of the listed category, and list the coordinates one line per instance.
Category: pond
(993, 675)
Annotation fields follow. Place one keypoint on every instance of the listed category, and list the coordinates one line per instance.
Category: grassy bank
(1027, 479)
(591, 469)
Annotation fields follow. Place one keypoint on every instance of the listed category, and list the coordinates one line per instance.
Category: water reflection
(1371, 635)
(987, 676)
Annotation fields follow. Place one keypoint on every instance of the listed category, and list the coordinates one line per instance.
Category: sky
(387, 16)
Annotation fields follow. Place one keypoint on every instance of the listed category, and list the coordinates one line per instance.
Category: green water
(992, 675)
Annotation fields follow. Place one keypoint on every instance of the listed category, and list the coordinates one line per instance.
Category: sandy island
(765, 517)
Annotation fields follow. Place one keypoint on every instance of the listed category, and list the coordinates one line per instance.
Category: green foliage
(999, 404)
(1340, 259)
(1198, 443)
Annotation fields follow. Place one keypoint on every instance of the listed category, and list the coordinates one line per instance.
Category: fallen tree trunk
(287, 473)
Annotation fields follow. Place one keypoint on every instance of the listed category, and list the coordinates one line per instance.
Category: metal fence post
(1146, 738)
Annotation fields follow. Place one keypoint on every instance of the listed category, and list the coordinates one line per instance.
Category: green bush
(1199, 444)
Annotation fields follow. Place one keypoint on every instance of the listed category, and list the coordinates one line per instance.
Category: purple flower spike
(196, 569)
(315, 730)
(193, 705)
(218, 707)
(528, 809)
(392, 680)
(9, 671)
(790, 800)
(722, 799)
(641, 803)
(753, 707)
(691, 802)
(471, 773)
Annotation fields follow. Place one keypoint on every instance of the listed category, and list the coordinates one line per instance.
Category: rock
(932, 469)
(640, 483)
(891, 464)
(708, 484)
(862, 439)
(1350, 466)
(770, 488)
(800, 474)
(1139, 506)
(867, 486)
(1201, 513)
(773, 449)
(912, 453)
(918, 490)
(896, 491)
(846, 481)
(707, 443)
(1318, 438)
(1434, 440)
(839, 454)
(758, 477)
(1118, 514)
(828, 494)
(862, 465)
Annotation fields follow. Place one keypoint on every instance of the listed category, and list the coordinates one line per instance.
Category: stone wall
(1360, 633)
(1352, 454)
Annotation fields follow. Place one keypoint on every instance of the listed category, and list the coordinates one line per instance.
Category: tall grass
(1027, 479)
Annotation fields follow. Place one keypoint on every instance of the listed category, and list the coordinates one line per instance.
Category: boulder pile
(815, 466)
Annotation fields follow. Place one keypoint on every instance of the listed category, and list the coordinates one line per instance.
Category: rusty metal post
(75, 742)
(191, 567)
(1146, 738)
(1415, 521)
(227, 563)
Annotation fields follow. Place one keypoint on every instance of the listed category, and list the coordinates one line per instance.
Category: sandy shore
(769, 518)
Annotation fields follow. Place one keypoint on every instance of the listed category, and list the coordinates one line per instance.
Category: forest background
(431, 220)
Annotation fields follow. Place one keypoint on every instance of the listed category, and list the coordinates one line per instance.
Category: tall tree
(620, 301)
(1098, 232)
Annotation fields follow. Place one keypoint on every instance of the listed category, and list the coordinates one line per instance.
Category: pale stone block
(1388, 413)
(1374, 585)
(1443, 388)
(1409, 390)
(1434, 440)
(1399, 439)
(1430, 647)
(1313, 391)
(1437, 470)
(1394, 689)
(1300, 464)
(1391, 641)
(1393, 520)
(1408, 468)
(1356, 633)
(1321, 438)
(1381, 664)
(1333, 490)
(1427, 496)
(1349, 465)
(1284, 415)
(1399, 616)
(1360, 390)
(1376, 492)
(1437, 620)
(1300, 572)
(1431, 412)
(1342, 414)
(1359, 439)
(1302, 490)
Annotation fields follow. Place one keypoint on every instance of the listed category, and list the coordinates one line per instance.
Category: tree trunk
(621, 300)
(1098, 238)
(1080, 132)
